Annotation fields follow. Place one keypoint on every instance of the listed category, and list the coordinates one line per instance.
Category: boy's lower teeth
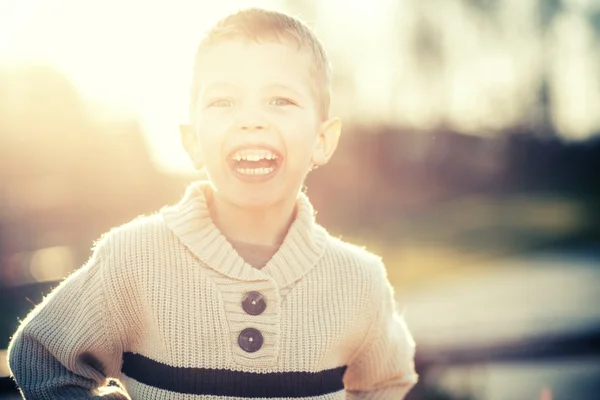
(255, 171)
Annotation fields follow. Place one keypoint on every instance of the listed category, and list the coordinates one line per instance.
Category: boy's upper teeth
(254, 155)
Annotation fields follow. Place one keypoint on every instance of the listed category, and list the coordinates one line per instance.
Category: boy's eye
(281, 101)
(221, 103)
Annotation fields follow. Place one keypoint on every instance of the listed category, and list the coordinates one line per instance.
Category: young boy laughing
(235, 292)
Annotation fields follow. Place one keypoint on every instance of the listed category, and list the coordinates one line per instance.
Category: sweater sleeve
(383, 368)
(64, 349)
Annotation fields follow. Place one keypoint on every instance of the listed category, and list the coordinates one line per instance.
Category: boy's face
(256, 127)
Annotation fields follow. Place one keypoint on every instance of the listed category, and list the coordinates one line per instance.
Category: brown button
(250, 340)
(254, 303)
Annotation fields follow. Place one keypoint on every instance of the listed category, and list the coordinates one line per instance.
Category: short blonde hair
(262, 25)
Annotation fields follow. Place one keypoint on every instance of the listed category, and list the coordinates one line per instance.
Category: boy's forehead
(237, 43)
(236, 62)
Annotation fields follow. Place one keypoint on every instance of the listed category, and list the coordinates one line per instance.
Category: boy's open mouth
(254, 162)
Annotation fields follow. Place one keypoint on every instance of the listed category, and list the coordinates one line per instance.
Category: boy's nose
(252, 126)
(251, 119)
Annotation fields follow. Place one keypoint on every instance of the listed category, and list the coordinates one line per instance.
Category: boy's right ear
(189, 140)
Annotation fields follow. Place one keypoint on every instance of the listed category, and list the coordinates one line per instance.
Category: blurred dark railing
(567, 345)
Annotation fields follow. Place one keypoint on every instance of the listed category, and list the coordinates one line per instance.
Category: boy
(235, 292)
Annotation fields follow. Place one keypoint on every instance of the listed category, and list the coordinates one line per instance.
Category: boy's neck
(266, 227)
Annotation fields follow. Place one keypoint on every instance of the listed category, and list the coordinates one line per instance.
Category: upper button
(254, 303)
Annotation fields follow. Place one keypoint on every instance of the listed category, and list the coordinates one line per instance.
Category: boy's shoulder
(137, 231)
(353, 257)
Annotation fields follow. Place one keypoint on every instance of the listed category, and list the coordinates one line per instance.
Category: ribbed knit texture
(169, 287)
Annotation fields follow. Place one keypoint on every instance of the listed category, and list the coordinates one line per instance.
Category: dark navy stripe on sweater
(222, 382)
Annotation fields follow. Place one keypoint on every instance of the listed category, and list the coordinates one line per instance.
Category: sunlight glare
(136, 55)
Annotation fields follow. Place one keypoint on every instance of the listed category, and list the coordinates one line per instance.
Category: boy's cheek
(212, 126)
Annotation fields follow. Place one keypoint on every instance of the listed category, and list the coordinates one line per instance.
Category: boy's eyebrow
(281, 86)
(222, 85)
(218, 86)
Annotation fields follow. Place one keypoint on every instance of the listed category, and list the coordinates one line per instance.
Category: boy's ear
(329, 135)
(189, 140)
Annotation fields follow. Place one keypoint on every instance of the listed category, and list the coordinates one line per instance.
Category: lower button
(250, 340)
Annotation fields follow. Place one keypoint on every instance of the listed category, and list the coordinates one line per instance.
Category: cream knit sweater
(161, 307)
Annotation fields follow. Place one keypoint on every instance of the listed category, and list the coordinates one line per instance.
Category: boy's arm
(63, 348)
(383, 368)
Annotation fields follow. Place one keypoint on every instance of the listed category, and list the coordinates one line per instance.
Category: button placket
(251, 339)
(267, 323)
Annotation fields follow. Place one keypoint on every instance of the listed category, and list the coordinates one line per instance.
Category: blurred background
(470, 161)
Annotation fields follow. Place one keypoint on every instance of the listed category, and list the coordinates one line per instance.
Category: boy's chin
(255, 197)
(257, 192)
(252, 199)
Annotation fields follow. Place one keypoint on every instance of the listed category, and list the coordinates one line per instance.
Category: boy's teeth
(254, 155)
(255, 171)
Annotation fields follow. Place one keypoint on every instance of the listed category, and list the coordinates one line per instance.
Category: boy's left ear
(327, 141)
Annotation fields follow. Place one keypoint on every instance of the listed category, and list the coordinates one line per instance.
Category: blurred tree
(548, 11)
